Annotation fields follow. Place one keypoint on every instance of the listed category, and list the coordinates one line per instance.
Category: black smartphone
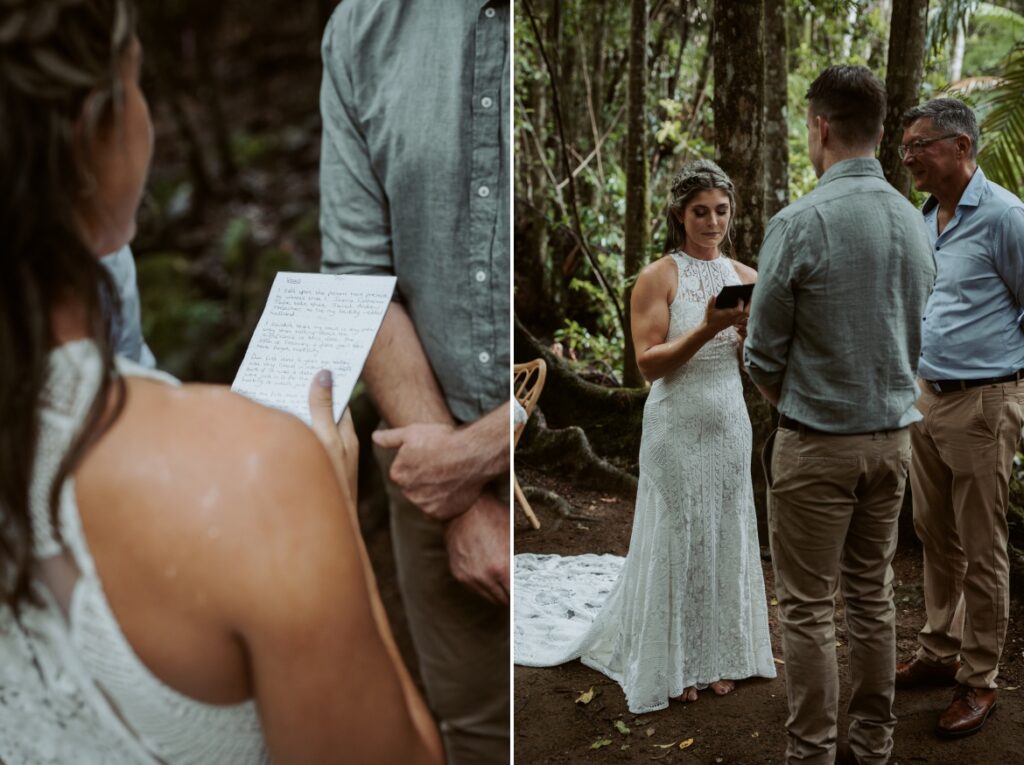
(732, 294)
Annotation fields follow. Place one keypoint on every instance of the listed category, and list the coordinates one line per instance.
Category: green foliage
(252, 148)
(234, 243)
(176, 317)
(591, 351)
(820, 33)
(1002, 127)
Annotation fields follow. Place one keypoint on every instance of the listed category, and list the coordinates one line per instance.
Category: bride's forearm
(664, 358)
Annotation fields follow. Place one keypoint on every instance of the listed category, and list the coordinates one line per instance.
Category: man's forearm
(489, 437)
(399, 377)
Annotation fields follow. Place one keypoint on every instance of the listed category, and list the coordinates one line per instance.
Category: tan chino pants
(461, 640)
(963, 455)
(833, 507)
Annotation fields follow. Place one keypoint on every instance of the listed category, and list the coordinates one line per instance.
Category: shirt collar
(970, 198)
(851, 167)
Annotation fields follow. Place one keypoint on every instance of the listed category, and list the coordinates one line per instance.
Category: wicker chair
(529, 382)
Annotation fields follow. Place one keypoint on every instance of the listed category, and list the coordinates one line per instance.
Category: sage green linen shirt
(844, 275)
(414, 176)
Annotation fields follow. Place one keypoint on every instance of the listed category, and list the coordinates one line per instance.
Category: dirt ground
(747, 726)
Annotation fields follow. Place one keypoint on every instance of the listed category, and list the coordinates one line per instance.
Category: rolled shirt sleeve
(354, 217)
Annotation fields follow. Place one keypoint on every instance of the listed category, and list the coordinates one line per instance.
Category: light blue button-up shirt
(126, 327)
(971, 325)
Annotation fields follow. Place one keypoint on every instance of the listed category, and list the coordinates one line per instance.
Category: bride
(686, 609)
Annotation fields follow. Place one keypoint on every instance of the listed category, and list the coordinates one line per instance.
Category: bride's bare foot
(722, 687)
(688, 695)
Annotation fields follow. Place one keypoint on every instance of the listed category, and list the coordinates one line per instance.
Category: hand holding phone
(732, 294)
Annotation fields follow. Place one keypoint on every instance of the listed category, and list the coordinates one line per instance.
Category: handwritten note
(312, 322)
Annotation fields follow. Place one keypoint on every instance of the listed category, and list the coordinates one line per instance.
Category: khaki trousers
(461, 640)
(963, 454)
(833, 507)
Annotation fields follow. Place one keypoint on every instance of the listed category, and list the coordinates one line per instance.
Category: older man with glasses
(972, 394)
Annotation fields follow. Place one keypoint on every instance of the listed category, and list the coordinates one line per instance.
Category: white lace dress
(686, 607)
(72, 690)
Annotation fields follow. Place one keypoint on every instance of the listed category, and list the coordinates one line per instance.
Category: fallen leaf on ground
(686, 744)
(601, 742)
(624, 747)
(586, 697)
(666, 746)
(649, 732)
(779, 661)
(1011, 687)
(622, 728)
(775, 601)
(755, 734)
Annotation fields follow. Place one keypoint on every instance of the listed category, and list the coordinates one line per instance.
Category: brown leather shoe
(968, 712)
(918, 672)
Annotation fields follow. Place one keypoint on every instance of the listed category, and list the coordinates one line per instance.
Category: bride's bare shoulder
(193, 452)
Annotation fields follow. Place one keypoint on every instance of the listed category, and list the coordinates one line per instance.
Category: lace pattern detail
(72, 690)
(687, 604)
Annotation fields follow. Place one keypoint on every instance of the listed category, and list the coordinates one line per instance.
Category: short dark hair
(948, 115)
(853, 101)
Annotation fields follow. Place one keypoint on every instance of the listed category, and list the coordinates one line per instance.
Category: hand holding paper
(312, 322)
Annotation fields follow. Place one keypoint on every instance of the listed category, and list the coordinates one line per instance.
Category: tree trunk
(700, 90)
(776, 123)
(739, 118)
(636, 176)
(612, 418)
(956, 63)
(672, 83)
(568, 453)
(902, 82)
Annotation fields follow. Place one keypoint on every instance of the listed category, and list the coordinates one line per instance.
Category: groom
(833, 342)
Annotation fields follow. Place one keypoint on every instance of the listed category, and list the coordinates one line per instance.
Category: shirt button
(484, 357)
(489, 13)
(481, 276)
(486, 102)
(483, 191)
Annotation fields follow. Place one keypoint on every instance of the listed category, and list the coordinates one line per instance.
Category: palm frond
(1002, 126)
(944, 19)
(996, 15)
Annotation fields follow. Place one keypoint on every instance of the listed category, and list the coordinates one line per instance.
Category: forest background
(612, 98)
(233, 198)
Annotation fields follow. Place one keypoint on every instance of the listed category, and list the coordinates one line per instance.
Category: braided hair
(59, 88)
(694, 177)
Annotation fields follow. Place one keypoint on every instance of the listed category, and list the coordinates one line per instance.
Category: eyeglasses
(916, 147)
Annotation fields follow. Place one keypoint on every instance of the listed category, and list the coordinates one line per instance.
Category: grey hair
(694, 177)
(948, 115)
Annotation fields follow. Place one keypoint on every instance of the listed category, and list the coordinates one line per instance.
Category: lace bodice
(72, 690)
(699, 281)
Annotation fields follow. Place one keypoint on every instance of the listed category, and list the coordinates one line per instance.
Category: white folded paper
(312, 322)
